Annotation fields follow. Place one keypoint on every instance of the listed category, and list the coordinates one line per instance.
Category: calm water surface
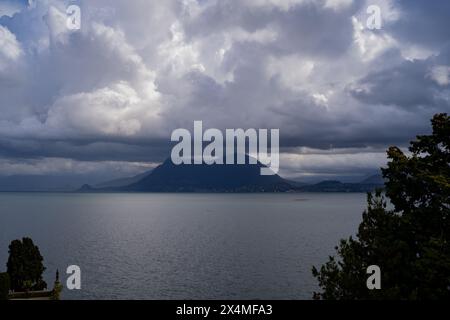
(182, 246)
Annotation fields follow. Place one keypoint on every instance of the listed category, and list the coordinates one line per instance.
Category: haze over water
(182, 246)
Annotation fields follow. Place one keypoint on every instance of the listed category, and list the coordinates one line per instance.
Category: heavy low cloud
(136, 70)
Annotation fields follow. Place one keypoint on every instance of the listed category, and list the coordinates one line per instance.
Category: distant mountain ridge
(169, 177)
(376, 179)
(185, 178)
(43, 183)
(337, 186)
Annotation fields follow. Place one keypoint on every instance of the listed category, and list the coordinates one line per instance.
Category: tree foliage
(25, 266)
(410, 241)
(5, 284)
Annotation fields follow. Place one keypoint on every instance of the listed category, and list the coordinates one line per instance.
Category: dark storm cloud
(151, 151)
(408, 85)
(115, 90)
(306, 27)
(423, 22)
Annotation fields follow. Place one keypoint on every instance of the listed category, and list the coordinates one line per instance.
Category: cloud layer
(136, 70)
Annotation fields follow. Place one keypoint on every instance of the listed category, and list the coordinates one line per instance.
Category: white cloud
(320, 99)
(10, 7)
(115, 111)
(177, 56)
(338, 4)
(334, 162)
(281, 4)
(370, 44)
(10, 49)
(441, 75)
(294, 71)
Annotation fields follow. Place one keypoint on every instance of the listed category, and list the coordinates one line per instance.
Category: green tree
(5, 284)
(410, 242)
(25, 266)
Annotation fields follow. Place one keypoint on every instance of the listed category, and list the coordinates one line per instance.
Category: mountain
(122, 181)
(209, 178)
(184, 178)
(62, 182)
(169, 177)
(376, 179)
(337, 186)
(296, 184)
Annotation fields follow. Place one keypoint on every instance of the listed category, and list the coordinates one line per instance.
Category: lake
(182, 246)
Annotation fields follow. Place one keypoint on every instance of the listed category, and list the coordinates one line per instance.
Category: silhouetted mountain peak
(247, 177)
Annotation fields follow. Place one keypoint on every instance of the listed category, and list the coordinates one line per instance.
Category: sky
(106, 97)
